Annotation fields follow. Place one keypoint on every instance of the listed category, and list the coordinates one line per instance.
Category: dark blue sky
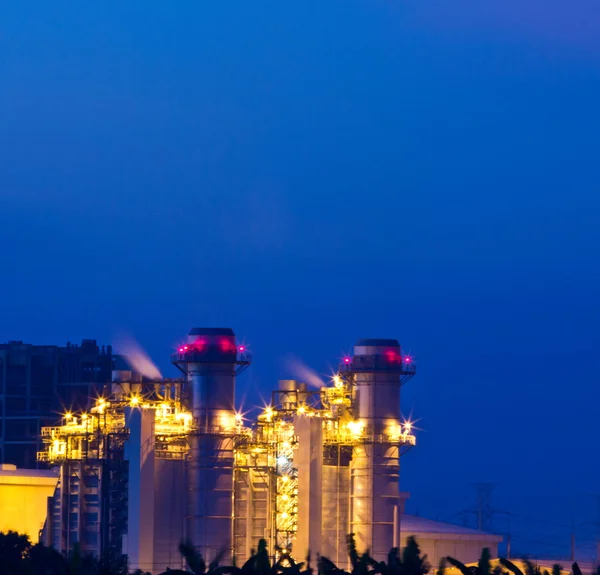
(310, 173)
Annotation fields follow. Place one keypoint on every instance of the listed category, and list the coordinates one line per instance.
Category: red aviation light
(241, 349)
(347, 360)
(392, 356)
(226, 345)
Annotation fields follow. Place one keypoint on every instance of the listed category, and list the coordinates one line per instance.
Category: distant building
(37, 384)
(437, 540)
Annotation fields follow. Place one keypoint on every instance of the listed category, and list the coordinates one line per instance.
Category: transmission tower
(483, 509)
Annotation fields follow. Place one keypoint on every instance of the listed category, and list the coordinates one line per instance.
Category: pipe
(396, 535)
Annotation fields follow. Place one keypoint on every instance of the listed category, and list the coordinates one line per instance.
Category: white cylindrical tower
(378, 369)
(211, 358)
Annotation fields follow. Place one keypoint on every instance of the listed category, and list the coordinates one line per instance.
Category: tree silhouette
(412, 561)
(42, 560)
(13, 550)
(19, 557)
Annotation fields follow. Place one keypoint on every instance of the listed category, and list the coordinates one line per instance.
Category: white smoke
(303, 373)
(137, 358)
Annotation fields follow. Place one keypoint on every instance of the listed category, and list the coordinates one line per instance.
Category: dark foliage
(510, 566)
(19, 557)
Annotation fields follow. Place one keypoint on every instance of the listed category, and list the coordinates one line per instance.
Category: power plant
(154, 463)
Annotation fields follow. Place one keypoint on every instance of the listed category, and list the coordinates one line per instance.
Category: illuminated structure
(320, 464)
(39, 381)
(114, 461)
(158, 462)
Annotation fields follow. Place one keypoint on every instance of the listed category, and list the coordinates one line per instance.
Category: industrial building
(437, 540)
(23, 499)
(157, 462)
(38, 382)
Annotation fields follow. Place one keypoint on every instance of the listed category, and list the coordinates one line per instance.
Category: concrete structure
(309, 459)
(24, 497)
(39, 381)
(156, 496)
(158, 462)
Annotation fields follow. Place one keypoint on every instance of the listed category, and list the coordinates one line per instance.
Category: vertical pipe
(338, 514)
(250, 516)
(395, 537)
(64, 515)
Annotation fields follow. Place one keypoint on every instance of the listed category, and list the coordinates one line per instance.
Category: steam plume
(303, 373)
(137, 358)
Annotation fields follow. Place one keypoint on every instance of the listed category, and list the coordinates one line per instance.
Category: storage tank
(211, 359)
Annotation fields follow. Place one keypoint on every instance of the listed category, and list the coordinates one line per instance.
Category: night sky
(310, 173)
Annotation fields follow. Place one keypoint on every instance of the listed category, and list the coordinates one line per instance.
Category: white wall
(465, 550)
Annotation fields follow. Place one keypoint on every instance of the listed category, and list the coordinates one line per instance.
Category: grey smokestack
(210, 358)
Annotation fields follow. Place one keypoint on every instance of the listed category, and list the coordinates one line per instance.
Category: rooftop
(10, 474)
(413, 524)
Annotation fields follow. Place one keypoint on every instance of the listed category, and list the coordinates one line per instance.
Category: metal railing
(343, 438)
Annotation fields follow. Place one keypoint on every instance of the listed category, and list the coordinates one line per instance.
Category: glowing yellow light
(394, 431)
(134, 400)
(84, 416)
(302, 409)
(407, 427)
(269, 413)
(286, 444)
(239, 418)
(284, 498)
(337, 381)
(284, 515)
(355, 427)
(285, 479)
